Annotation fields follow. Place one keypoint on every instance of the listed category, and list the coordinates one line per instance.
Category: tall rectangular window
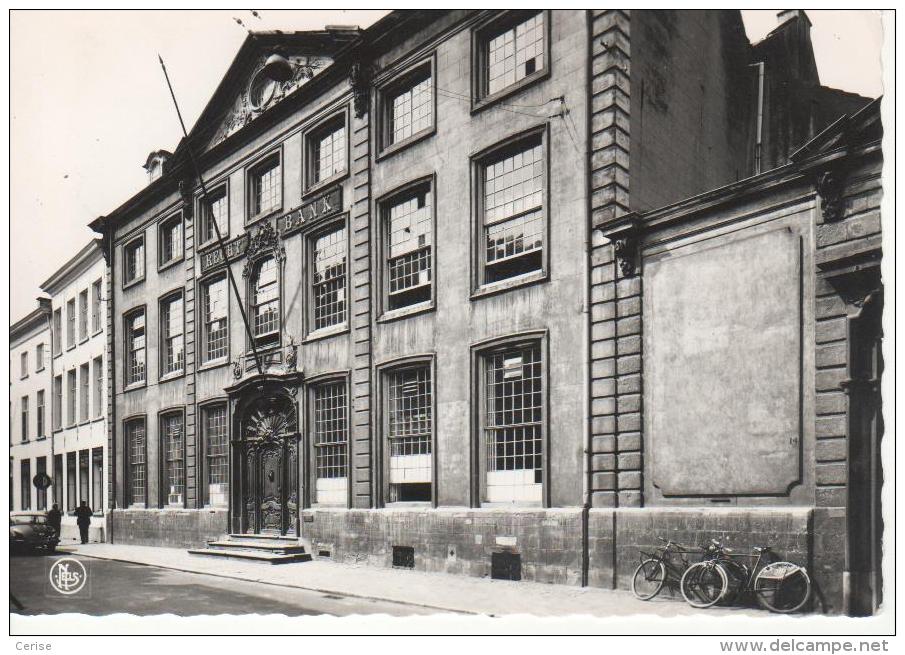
(72, 395)
(97, 479)
(84, 391)
(135, 348)
(24, 410)
(134, 260)
(83, 315)
(266, 187)
(25, 484)
(39, 357)
(512, 424)
(70, 324)
(512, 211)
(96, 306)
(265, 308)
(171, 319)
(84, 486)
(70, 481)
(511, 51)
(57, 331)
(39, 414)
(58, 481)
(216, 328)
(57, 408)
(328, 284)
(409, 237)
(136, 449)
(215, 210)
(409, 428)
(98, 365)
(41, 467)
(216, 439)
(326, 145)
(409, 106)
(170, 232)
(330, 423)
(172, 436)
(23, 365)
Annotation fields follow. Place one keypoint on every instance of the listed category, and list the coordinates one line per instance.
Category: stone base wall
(188, 528)
(459, 541)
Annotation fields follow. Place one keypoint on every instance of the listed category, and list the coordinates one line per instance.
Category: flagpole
(229, 271)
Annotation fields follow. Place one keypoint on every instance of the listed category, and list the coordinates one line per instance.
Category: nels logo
(68, 576)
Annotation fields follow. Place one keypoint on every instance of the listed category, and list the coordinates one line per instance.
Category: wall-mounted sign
(214, 257)
(326, 204)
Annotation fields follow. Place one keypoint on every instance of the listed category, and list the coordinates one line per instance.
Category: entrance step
(281, 547)
(250, 555)
(272, 549)
(261, 537)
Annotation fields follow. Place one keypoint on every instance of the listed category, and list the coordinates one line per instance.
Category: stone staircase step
(262, 537)
(251, 555)
(283, 547)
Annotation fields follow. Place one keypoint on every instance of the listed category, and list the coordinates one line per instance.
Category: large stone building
(420, 340)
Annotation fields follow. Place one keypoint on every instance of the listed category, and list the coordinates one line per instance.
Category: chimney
(155, 162)
(786, 15)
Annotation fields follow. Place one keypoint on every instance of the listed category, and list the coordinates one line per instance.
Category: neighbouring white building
(77, 388)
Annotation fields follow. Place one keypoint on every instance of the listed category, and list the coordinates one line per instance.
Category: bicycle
(779, 586)
(658, 569)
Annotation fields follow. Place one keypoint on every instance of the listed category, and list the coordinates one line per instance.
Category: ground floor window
(135, 440)
(84, 485)
(70, 482)
(217, 440)
(512, 424)
(58, 480)
(41, 493)
(97, 479)
(25, 483)
(330, 441)
(409, 433)
(173, 442)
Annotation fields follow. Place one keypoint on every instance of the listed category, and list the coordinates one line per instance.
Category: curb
(288, 585)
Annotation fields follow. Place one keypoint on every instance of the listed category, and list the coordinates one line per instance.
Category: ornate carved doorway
(265, 471)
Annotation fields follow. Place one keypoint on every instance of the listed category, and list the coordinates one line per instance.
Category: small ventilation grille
(506, 566)
(404, 557)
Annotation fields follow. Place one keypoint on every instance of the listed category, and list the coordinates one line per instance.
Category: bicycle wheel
(782, 587)
(703, 584)
(648, 579)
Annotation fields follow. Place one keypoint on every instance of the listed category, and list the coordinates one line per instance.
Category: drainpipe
(758, 144)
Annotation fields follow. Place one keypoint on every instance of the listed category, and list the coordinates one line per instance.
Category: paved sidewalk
(439, 591)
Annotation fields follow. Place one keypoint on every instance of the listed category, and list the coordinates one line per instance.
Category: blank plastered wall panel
(723, 365)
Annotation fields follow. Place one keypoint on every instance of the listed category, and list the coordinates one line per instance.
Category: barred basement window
(409, 237)
(135, 348)
(170, 240)
(513, 424)
(135, 440)
(512, 211)
(172, 435)
(134, 260)
(171, 332)
(512, 50)
(216, 326)
(266, 188)
(265, 310)
(330, 443)
(326, 156)
(328, 284)
(215, 210)
(409, 434)
(217, 441)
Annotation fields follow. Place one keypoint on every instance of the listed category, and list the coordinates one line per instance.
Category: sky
(88, 103)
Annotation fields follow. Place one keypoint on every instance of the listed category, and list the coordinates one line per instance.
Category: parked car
(30, 531)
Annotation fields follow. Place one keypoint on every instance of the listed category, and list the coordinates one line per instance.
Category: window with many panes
(98, 366)
(25, 484)
(409, 428)
(265, 302)
(57, 336)
(41, 468)
(137, 453)
(84, 391)
(57, 408)
(512, 424)
(39, 413)
(71, 396)
(172, 437)
(172, 355)
(326, 148)
(331, 442)
(265, 187)
(407, 109)
(135, 347)
(134, 260)
(512, 212)
(328, 278)
(83, 315)
(96, 306)
(215, 328)
(408, 234)
(216, 440)
(511, 50)
(70, 324)
(214, 215)
(170, 247)
(24, 417)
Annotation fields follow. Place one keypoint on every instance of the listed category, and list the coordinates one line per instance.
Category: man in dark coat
(55, 518)
(83, 518)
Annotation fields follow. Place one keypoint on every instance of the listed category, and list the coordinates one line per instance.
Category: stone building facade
(442, 365)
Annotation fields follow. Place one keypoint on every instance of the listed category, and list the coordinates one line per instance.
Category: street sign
(41, 481)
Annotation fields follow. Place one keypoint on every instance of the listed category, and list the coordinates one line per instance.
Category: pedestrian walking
(54, 519)
(83, 518)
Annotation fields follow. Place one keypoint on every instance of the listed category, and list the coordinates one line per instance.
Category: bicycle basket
(779, 570)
